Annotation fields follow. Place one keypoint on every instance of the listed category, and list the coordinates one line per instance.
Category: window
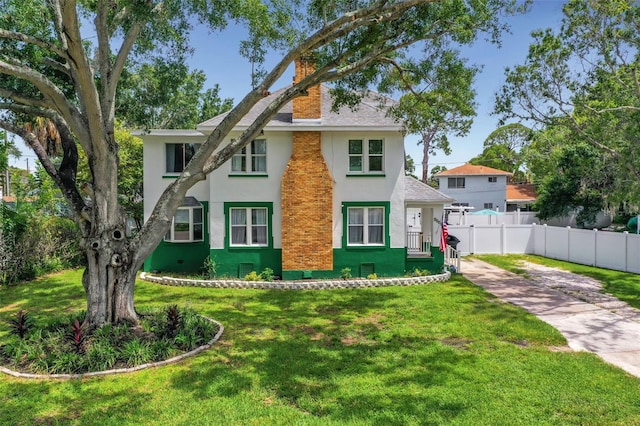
(251, 159)
(249, 226)
(179, 155)
(187, 224)
(493, 179)
(488, 206)
(456, 182)
(366, 156)
(365, 226)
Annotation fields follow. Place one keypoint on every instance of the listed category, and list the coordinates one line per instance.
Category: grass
(622, 285)
(446, 353)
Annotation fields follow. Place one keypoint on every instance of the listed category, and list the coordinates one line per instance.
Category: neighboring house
(317, 192)
(521, 196)
(479, 187)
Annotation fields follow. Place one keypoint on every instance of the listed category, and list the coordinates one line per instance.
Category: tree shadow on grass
(326, 356)
(78, 402)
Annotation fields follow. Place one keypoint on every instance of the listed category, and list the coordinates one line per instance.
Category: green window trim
(227, 225)
(170, 176)
(247, 175)
(345, 224)
(363, 175)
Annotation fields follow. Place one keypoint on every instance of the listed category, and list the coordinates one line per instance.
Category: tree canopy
(65, 59)
(582, 82)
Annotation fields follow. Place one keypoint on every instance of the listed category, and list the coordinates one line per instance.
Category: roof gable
(417, 191)
(369, 114)
(473, 170)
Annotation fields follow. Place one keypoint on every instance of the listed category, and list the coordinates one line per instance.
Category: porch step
(419, 255)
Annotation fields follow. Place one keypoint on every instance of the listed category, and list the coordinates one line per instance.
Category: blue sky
(217, 55)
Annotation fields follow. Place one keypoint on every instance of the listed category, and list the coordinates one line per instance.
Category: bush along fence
(611, 250)
(298, 285)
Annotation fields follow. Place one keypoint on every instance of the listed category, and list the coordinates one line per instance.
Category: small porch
(418, 244)
(423, 209)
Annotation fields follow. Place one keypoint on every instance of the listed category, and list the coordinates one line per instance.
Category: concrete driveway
(595, 323)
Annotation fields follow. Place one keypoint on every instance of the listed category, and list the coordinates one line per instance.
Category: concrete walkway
(586, 326)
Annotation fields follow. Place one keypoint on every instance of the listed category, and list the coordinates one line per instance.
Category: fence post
(595, 247)
(568, 244)
(626, 251)
(545, 240)
(503, 239)
(472, 243)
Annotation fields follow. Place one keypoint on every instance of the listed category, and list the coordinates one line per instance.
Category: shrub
(136, 352)
(57, 349)
(252, 276)
(372, 276)
(345, 273)
(210, 268)
(266, 274)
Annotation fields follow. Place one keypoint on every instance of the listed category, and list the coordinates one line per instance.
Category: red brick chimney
(307, 106)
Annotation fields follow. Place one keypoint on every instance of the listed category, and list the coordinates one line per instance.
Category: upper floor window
(249, 226)
(456, 182)
(488, 206)
(251, 159)
(493, 179)
(187, 224)
(179, 155)
(366, 156)
(365, 225)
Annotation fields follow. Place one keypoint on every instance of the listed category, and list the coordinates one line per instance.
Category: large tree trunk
(109, 280)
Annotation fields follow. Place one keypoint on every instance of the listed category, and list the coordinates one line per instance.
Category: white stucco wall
(243, 189)
(220, 187)
(351, 189)
(154, 160)
(478, 191)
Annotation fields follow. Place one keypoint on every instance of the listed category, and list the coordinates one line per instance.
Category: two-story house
(474, 186)
(318, 191)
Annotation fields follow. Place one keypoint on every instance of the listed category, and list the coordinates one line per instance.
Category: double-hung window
(365, 225)
(366, 156)
(251, 159)
(456, 182)
(249, 226)
(178, 155)
(187, 224)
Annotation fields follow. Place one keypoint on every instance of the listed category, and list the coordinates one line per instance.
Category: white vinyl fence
(611, 250)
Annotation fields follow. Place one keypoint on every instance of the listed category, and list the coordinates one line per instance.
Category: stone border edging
(173, 360)
(297, 285)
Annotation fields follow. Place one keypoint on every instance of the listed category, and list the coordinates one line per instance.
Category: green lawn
(441, 353)
(623, 285)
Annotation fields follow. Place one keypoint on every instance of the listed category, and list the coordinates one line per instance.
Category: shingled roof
(419, 192)
(521, 192)
(370, 114)
(471, 169)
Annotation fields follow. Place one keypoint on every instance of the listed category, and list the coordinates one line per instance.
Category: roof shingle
(371, 113)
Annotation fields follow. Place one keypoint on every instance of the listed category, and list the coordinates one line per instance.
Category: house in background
(317, 192)
(521, 196)
(478, 187)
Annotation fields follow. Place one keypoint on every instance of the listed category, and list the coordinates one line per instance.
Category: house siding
(477, 191)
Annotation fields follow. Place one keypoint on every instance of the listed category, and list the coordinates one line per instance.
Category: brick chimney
(307, 192)
(309, 106)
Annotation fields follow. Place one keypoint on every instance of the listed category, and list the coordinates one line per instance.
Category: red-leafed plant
(174, 318)
(21, 324)
(78, 335)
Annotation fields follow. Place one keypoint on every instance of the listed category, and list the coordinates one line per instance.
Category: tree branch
(12, 35)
